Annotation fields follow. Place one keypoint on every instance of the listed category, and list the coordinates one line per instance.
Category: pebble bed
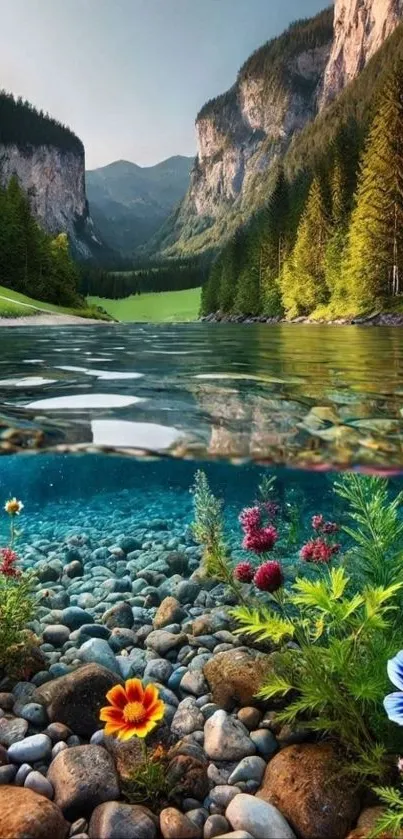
(124, 592)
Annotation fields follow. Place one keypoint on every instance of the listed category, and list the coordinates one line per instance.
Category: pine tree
(248, 299)
(275, 237)
(374, 262)
(303, 280)
(210, 297)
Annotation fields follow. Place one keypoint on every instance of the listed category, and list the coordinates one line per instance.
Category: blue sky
(130, 75)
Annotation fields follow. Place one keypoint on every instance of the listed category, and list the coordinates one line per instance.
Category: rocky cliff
(279, 92)
(54, 180)
(48, 160)
(242, 133)
(360, 29)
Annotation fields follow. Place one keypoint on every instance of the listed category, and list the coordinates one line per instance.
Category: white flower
(13, 507)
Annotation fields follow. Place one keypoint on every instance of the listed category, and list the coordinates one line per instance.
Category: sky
(129, 76)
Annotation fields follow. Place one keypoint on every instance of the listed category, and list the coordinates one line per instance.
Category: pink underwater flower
(317, 550)
(269, 577)
(250, 518)
(244, 572)
(260, 541)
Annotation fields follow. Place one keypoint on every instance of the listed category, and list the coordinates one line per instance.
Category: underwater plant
(208, 531)
(134, 711)
(13, 508)
(16, 602)
(321, 549)
(377, 532)
(335, 672)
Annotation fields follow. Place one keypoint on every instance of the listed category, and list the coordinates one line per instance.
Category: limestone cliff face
(258, 118)
(241, 134)
(360, 29)
(54, 180)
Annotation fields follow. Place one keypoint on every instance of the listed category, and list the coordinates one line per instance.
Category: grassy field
(164, 307)
(14, 305)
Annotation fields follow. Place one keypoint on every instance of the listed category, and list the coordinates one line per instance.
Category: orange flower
(133, 711)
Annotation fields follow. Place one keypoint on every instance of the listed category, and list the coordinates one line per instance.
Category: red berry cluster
(260, 538)
(319, 549)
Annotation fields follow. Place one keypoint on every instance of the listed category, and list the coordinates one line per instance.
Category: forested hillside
(329, 241)
(24, 125)
(32, 261)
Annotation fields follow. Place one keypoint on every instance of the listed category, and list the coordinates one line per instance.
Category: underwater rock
(76, 699)
(262, 820)
(120, 616)
(31, 749)
(187, 775)
(163, 642)
(74, 569)
(249, 769)
(214, 826)
(74, 617)
(12, 730)
(176, 825)
(116, 820)
(188, 718)
(366, 824)
(299, 780)
(38, 783)
(170, 611)
(250, 717)
(225, 738)
(234, 677)
(25, 813)
(56, 634)
(83, 777)
(97, 650)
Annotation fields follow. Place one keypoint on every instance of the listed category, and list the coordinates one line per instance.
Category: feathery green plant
(266, 488)
(377, 530)
(336, 672)
(391, 821)
(208, 530)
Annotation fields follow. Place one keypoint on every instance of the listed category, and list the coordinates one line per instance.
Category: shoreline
(51, 319)
(379, 319)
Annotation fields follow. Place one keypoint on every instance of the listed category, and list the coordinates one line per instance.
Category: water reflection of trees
(307, 394)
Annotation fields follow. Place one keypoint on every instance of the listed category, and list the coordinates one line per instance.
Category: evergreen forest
(329, 241)
(31, 261)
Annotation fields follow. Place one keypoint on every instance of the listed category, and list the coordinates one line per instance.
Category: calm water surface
(309, 396)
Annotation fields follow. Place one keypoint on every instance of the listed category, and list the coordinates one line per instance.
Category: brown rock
(187, 777)
(115, 820)
(170, 611)
(175, 825)
(25, 814)
(127, 754)
(83, 777)
(300, 781)
(76, 699)
(234, 677)
(250, 717)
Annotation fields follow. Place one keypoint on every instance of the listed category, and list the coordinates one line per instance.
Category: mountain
(48, 161)
(281, 90)
(129, 203)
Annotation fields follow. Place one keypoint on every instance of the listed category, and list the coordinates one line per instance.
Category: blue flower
(393, 703)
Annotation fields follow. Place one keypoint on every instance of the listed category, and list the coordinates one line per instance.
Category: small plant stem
(145, 752)
(12, 532)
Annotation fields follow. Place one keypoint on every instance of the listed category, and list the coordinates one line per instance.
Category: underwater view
(201, 581)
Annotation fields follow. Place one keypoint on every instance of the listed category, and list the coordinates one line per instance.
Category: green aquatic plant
(266, 489)
(208, 531)
(16, 610)
(390, 823)
(376, 531)
(148, 783)
(335, 673)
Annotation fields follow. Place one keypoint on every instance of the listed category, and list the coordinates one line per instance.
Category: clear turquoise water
(103, 428)
(296, 395)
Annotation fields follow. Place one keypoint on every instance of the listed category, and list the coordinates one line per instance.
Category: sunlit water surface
(307, 396)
